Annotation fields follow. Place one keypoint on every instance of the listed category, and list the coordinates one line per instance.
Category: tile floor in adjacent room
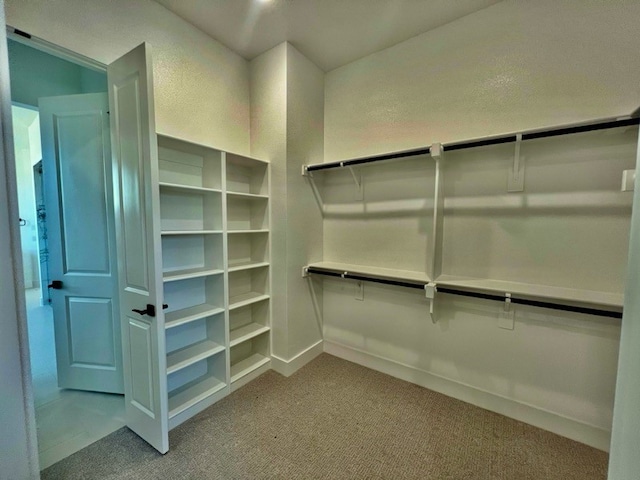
(67, 420)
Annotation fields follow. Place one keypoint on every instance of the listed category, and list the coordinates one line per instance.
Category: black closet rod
(554, 132)
(354, 276)
(464, 293)
(376, 158)
(533, 303)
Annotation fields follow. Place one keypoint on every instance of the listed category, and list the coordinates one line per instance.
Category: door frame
(12, 297)
(15, 371)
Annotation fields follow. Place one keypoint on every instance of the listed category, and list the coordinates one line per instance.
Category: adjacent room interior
(68, 417)
(285, 239)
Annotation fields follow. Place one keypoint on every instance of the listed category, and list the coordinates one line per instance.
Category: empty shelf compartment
(248, 322)
(247, 250)
(193, 353)
(249, 356)
(183, 163)
(190, 211)
(194, 341)
(196, 382)
(248, 286)
(188, 396)
(193, 298)
(246, 175)
(186, 315)
(247, 214)
(192, 252)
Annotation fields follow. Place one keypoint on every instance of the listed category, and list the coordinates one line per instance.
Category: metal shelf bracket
(430, 290)
(507, 317)
(516, 171)
(357, 179)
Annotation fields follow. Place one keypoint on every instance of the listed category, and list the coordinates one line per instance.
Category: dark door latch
(150, 311)
(55, 284)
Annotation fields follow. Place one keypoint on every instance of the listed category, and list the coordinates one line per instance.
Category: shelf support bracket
(516, 172)
(506, 320)
(356, 179)
(316, 193)
(430, 290)
(305, 272)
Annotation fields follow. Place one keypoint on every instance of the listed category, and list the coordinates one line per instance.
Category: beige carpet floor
(334, 419)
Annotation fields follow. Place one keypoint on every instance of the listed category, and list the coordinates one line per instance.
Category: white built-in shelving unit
(214, 215)
(247, 226)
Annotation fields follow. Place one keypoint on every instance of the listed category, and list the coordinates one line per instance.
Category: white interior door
(82, 244)
(137, 209)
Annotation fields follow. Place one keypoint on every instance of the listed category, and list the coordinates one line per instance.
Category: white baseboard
(567, 427)
(289, 367)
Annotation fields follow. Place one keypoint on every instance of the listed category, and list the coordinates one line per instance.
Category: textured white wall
(287, 99)
(305, 121)
(269, 142)
(201, 87)
(513, 66)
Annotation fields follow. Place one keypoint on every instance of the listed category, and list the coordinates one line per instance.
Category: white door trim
(18, 415)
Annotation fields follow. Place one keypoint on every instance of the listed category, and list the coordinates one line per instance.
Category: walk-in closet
(359, 239)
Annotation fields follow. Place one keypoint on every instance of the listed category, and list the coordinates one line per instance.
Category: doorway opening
(72, 417)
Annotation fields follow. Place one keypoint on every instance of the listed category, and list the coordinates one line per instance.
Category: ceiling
(331, 33)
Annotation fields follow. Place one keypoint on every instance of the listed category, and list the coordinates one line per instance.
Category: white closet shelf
(248, 196)
(186, 397)
(570, 297)
(262, 230)
(247, 365)
(188, 188)
(190, 232)
(246, 266)
(246, 332)
(186, 315)
(194, 353)
(384, 273)
(190, 273)
(533, 291)
(246, 299)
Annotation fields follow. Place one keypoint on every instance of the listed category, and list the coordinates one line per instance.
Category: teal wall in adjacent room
(36, 74)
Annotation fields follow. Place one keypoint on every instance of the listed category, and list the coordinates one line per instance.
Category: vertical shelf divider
(225, 249)
(437, 154)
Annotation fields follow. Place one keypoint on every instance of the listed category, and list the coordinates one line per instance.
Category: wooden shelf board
(246, 299)
(249, 196)
(533, 291)
(180, 317)
(246, 332)
(386, 273)
(247, 266)
(190, 273)
(247, 365)
(264, 230)
(190, 232)
(184, 398)
(243, 161)
(194, 353)
(188, 188)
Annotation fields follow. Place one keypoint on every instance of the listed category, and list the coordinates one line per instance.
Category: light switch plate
(628, 180)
